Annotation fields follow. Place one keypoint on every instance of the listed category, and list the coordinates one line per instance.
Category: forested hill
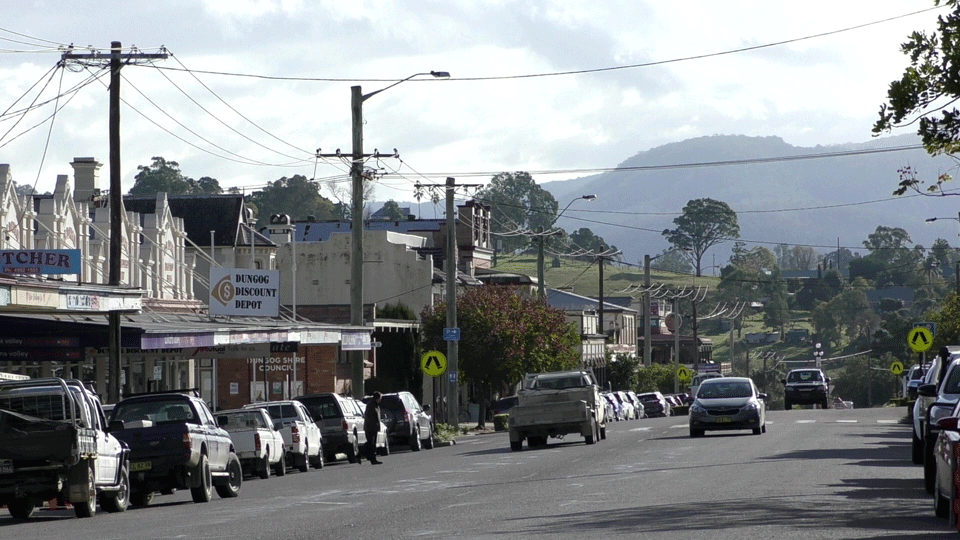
(815, 196)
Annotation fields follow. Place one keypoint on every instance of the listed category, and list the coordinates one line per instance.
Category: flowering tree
(504, 335)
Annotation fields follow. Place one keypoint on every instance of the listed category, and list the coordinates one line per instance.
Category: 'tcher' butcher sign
(237, 291)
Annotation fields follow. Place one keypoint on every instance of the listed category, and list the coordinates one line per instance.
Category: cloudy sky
(254, 87)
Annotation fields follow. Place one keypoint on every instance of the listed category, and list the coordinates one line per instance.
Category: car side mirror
(764, 397)
(277, 426)
(827, 379)
(115, 425)
(426, 408)
(222, 421)
(948, 424)
(783, 381)
(927, 390)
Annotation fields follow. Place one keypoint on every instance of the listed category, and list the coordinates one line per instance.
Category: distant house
(904, 294)
(381, 214)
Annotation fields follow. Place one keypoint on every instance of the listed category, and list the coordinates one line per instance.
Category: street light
(956, 273)
(818, 354)
(357, 97)
(541, 236)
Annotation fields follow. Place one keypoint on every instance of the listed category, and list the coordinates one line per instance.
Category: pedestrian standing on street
(371, 427)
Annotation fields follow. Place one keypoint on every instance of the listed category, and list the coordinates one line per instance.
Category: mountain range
(818, 196)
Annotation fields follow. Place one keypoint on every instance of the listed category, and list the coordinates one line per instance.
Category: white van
(698, 379)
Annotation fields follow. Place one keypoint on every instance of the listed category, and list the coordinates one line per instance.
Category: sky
(253, 88)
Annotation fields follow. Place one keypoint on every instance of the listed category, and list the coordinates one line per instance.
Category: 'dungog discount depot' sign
(238, 291)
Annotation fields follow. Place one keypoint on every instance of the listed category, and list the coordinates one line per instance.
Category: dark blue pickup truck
(175, 443)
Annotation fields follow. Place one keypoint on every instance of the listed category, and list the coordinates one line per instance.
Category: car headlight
(938, 411)
(697, 408)
(752, 406)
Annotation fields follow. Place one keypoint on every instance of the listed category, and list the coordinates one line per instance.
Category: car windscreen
(321, 407)
(392, 403)
(804, 376)
(282, 412)
(241, 420)
(952, 384)
(559, 383)
(155, 411)
(723, 390)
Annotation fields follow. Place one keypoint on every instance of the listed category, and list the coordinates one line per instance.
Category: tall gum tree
(703, 224)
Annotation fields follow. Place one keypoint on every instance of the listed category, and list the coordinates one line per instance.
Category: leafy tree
(391, 211)
(517, 204)
(672, 260)
(891, 260)
(796, 257)
(703, 224)
(622, 372)
(656, 378)
(926, 94)
(866, 387)
(775, 312)
(583, 239)
(296, 196)
(504, 335)
(161, 176)
(947, 319)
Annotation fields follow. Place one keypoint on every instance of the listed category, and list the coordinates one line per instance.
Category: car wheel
(118, 500)
(141, 498)
(917, 449)
(415, 440)
(281, 465)
(763, 428)
(428, 442)
(696, 432)
(88, 508)
(231, 487)
(353, 450)
(929, 465)
(385, 450)
(941, 505)
(824, 404)
(204, 492)
(265, 466)
(516, 446)
(757, 431)
(603, 433)
(787, 405)
(317, 461)
(591, 438)
(21, 509)
(304, 460)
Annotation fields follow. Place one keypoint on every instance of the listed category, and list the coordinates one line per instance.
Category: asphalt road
(814, 474)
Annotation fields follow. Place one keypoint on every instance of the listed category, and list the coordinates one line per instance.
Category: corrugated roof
(320, 231)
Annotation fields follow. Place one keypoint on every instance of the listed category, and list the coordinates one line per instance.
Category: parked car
(341, 425)
(609, 413)
(946, 396)
(912, 381)
(175, 443)
(728, 403)
(256, 441)
(54, 443)
(504, 405)
(629, 411)
(946, 454)
(407, 422)
(615, 405)
(932, 375)
(806, 386)
(301, 436)
(654, 404)
(637, 405)
(382, 444)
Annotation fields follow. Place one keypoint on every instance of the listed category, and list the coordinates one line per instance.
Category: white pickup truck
(54, 443)
(555, 404)
(256, 440)
(301, 436)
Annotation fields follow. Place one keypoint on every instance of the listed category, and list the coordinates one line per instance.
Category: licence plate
(141, 466)
(6, 466)
(723, 419)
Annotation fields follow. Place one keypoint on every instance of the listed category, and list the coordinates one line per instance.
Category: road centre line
(846, 421)
(805, 421)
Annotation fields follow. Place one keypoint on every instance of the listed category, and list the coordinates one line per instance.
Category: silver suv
(339, 422)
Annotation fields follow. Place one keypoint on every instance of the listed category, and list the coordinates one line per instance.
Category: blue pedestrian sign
(451, 334)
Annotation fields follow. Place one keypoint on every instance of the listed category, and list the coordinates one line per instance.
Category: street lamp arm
(437, 74)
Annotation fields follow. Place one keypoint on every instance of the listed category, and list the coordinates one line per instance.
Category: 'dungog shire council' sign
(238, 291)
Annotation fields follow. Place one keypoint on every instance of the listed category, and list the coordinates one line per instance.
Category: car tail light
(406, 416)
(344, 425)
(256, 441)
(294, 433)
(187, 443)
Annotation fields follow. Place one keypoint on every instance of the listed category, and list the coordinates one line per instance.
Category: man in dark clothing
(371, 427)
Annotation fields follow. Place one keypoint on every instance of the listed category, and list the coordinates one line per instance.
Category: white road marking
(887, 421)
(805, 421)
(641, 429)
(846, 421)
(679, 426)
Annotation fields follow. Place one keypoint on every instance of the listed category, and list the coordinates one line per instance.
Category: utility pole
(452, 386)
(647, 346)
(696, 339)
(115, 60)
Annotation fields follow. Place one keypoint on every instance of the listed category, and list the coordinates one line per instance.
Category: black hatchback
(407, 422)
